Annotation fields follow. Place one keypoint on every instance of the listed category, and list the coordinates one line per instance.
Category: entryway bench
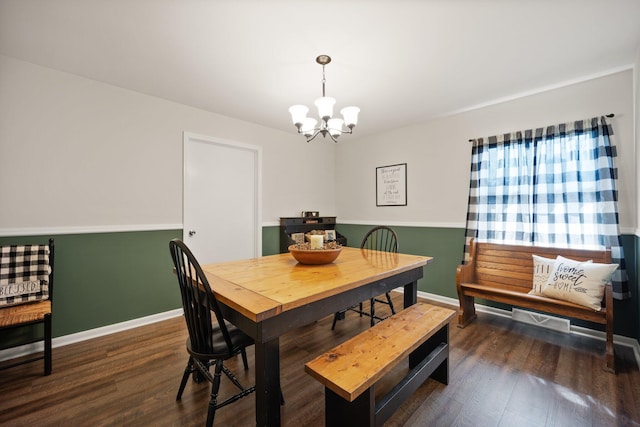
(351, 370)
(504, 273)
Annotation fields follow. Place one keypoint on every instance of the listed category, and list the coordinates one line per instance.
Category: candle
(316, 241)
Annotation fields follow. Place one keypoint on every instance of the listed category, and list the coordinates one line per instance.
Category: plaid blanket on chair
(24, 274)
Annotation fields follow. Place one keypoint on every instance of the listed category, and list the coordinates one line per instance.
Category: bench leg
(610, 358)
(47, 344)
(609, 354)
(467, 310)
(340, 413)
(610, 365)
(441, 373)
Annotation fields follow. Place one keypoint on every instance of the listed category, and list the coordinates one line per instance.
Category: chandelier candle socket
(330, 125)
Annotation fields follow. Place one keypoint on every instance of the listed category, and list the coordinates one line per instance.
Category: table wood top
(264, 287)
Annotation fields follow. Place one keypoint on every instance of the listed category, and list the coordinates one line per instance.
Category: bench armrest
(465, 273)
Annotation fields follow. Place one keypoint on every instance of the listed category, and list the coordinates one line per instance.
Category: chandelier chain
(324, 80)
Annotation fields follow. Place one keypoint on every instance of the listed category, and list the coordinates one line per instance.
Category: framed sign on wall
(391, 185)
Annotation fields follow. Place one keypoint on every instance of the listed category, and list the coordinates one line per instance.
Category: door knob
(192, 232)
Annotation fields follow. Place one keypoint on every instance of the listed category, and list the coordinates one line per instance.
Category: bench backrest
(511, 266)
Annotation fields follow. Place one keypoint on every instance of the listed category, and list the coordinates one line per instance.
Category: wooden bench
(350, 371)
(504, 273)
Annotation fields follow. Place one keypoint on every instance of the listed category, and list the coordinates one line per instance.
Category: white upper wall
(438, 153)
(77, 153)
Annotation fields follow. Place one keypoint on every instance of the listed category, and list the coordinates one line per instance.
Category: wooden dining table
(271, 295)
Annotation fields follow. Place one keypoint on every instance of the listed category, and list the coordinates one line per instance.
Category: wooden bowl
(314, 256)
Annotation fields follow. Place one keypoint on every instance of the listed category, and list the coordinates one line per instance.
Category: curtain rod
(610, 115)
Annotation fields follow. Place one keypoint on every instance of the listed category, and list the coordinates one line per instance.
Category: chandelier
(330, 125)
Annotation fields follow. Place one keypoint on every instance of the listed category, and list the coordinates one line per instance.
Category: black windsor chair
(211, 341)
(380, 238)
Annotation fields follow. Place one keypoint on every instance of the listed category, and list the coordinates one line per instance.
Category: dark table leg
(410, 294)
(268, 383)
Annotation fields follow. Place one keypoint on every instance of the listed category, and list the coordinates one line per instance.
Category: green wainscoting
(106, 278)
(270, 240)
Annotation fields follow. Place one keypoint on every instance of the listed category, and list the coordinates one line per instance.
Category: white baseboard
(12, 353)
(576, 330)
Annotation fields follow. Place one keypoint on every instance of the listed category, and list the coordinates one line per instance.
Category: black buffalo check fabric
(24, 274)
(553, 186)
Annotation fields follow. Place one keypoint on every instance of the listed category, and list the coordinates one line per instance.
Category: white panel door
(222, 201)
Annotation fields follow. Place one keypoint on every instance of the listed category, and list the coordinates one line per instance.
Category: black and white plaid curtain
(548, 187)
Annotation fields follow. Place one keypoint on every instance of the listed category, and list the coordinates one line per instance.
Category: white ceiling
(401, 61)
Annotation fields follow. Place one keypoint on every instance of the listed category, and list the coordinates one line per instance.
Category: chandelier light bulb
(298, 114)
(308, 126)
(335, 127)
(325, 107)
(350, 115)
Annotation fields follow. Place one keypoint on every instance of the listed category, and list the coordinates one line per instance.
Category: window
(548, 187)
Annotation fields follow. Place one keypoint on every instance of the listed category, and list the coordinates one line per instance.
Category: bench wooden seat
(350, 371)
(23, 314)
(504, 273)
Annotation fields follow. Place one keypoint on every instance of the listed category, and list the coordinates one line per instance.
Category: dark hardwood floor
(503, 373)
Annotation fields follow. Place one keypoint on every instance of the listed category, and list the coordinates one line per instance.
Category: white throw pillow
(579, 282)
(541, 268)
